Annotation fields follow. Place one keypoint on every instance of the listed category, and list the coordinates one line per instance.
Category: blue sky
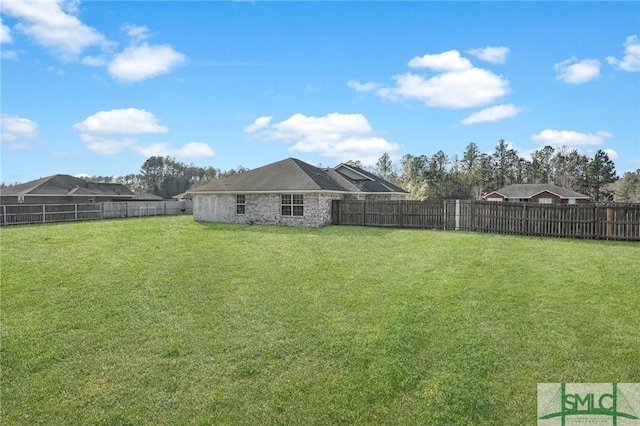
(97, 87)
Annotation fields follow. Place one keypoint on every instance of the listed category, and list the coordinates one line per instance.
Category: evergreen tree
(384, 166)
(628, 188)
(599, 173)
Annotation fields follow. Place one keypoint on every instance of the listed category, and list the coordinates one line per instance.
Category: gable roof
(528, 190)
(66, 185)
(295, 175)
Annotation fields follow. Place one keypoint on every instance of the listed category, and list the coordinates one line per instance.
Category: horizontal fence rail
(597, 221)
(22, 214)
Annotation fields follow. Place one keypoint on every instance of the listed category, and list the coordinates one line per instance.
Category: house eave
(562, 197)
(494, 193)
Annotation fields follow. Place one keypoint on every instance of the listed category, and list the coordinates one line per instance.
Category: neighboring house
(146, 196)
(542, 193)
(64, 189)
(288, 192)
(182, 196)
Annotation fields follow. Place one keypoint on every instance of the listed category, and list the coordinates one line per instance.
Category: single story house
(64, 189)
(146, 196)
(542, 193)
(287, 192)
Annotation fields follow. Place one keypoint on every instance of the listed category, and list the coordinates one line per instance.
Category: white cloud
(11, 55)
(130, 121)
(110, 132)
(70, 6)
(558, 138)
(495, 113)
(631, 60)
(461, 89)
(95, 61)
(611, 153)
(446, 61)
(497, 55)
(15, 130)
(577, 72)
(456, 84)
(189, 151)
(53, 24)
(137, 33)
(362, 87)
(340, 136)
(259, 124)
(5, 33)
(106, 145)
(137, 63)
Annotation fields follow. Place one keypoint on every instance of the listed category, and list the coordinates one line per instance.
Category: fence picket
(19, 214)
(597, 221)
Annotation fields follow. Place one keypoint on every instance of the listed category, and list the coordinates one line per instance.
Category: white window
(292, 204)
(20, 198)
(240, 204)
(545, 200)
(571, 201)
(495, 200)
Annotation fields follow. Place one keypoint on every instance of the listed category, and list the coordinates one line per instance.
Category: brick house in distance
(287, 192)
(541, 193)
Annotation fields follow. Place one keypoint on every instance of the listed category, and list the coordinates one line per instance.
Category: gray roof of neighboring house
(292, 174)
(182, 196)
(528, 190)
(66, 185)
(146, 196)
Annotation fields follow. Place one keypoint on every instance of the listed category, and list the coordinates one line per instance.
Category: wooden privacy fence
(603, 221)
(20, 214)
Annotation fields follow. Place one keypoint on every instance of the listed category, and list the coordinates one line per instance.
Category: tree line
(438, 176)
(166, 177)
(476, 173)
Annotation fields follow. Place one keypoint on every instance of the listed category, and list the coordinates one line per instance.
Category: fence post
(364, 213)
(44, 213)
(457, 214)
(444, 214)
(472, 216)
(609, 222)
(4, 214)
(75, 211)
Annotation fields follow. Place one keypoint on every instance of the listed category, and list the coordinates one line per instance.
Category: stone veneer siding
(263, 209)
(266, 208)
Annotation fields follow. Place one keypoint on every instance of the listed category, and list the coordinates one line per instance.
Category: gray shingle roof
(371, 183)
(68, 185)
(530, 189)
(292, 174)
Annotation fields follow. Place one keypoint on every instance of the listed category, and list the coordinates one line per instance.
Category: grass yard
(167, 321)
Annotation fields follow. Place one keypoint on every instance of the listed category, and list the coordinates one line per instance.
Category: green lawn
(167, 321)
